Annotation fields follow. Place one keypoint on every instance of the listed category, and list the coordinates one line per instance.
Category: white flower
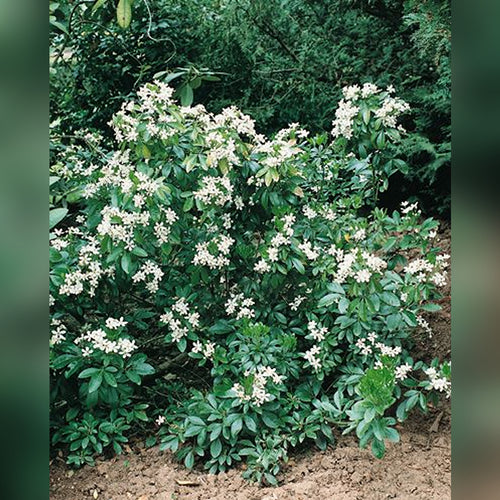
(388, 351)
(344, 117)
(441, 384)
(208, 350)
(160, 420)
(309, 212)
(262, 266)
(363, 347)
(369, 89)
(240, 305)
(363, 276)
(317, 331)
(295, 304)
(310, 252)
(401, 372)
(197, 347)
(151, 274)
(311, 357)
(351, 92)
(114, 324)
(359, 235)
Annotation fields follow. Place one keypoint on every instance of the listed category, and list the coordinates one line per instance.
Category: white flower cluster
(114, 324)
(344, 118)
(240, 305)
(158, 94)
(295, 304)
(407, 208)
(425, 271)
(279, 150)
(309, 212)
(401, 371)
(206, 350)
(162, 229)
(346, 264)
(98, 340)
(221, 148)
(282, 238)
(359, 235)
(311, 356)
(58, 333)
(153, 102)
(215, 190)
(441, 384)
(328, 213)
(205, 257)
(293, 129)
(120, 225)
(390, 110)
(180, 319)
(89, 270)
(149, 273)
(58, 241)
(316, 331)
(115, 173)
(259, 395)
(233, 118)
(424, 324)
(312, 253)
(367, 348)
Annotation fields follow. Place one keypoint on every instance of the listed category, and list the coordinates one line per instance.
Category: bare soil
(416, 468)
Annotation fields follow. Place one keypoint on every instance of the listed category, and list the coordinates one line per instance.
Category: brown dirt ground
(416, 468)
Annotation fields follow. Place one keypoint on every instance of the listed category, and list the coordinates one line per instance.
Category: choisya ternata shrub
(263, 261)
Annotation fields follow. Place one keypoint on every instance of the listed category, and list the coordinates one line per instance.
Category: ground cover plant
(264, 261)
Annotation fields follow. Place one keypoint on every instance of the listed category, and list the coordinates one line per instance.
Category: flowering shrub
(261, 261)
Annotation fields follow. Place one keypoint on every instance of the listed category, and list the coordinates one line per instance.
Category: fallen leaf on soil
(180, 482)
(435, 426)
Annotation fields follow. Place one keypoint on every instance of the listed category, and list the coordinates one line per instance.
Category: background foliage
(280, 61)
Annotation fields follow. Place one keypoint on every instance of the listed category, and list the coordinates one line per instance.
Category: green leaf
(378, 448)
(392, 434)
(431, 307)
(409, 318)
(126, 262)
(144, 369)
(250, 423)
(215, 448)
(390, 298)
(134, 377)
(110, 379)
(270, 420)
(88, 372)
(56, 215)
(298, 265)
(192, 431)
(95, 382)
(236, 426)
(188, 204)
(328, 300)
(124, 13)
(140, 252)
(189, 460)
(393, 321)
(98, 5)
(186, 95)
(343, 305)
